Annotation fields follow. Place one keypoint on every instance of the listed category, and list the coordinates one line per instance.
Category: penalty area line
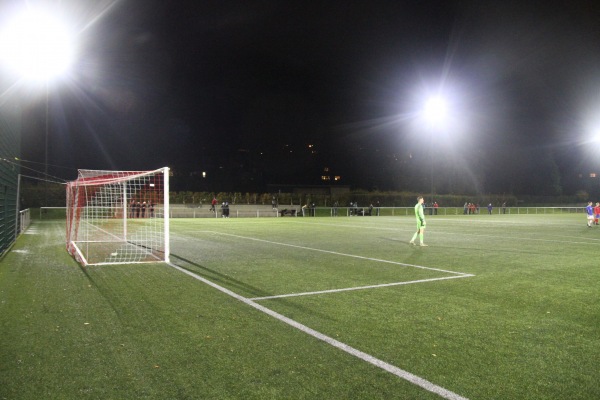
(337, 253)
(412, 378)
(359, 287)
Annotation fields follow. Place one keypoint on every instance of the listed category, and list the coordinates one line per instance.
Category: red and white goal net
(118, 217)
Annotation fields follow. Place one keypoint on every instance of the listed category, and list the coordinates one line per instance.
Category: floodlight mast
(36, 45)
(435, 113)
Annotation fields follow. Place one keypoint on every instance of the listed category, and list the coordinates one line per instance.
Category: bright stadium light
(36, 45)
(435, 111)
(435, 114)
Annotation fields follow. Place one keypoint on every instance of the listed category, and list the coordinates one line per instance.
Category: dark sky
(258, 92)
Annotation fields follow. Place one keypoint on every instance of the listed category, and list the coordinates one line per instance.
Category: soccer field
(498, 307)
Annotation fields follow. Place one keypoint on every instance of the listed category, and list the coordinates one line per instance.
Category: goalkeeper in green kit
(420, 222)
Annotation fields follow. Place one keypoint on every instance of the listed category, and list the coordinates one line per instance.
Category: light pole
(435, 114)
(38, 47)
(46, 145)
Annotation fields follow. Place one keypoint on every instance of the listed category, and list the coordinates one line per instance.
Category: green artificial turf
(518, 317)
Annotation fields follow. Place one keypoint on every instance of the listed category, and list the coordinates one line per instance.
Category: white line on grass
(359, 287)
(339, 254)
(414, 379)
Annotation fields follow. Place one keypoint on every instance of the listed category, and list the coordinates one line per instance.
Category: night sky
(274, 92)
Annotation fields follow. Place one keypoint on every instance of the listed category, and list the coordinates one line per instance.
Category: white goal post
(118, 217)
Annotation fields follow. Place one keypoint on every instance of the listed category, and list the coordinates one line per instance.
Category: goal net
(118, 217)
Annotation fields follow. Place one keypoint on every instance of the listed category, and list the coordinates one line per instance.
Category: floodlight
(436, 110)
(435, 114)
(36, 45)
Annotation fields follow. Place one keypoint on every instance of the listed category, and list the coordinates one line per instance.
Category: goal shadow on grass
(226, 281)
(106, 292)
(217, 277)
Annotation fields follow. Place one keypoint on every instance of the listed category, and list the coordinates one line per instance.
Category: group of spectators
(310, 210)
(433, 207)
(142, 209)
(224, 207)
(473, 208)
(354, 210)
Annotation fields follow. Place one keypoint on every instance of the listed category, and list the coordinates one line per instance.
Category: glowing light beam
(36, 45)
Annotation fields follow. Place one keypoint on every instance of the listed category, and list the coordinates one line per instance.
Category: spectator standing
(225, 210)
(490, 208)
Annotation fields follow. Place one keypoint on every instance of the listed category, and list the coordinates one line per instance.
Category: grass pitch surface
(497, 307)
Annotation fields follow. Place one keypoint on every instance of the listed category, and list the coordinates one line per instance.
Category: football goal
(118, 217)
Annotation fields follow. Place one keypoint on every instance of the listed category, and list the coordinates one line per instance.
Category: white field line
(339, 254)
(359, 287)
(414, 379)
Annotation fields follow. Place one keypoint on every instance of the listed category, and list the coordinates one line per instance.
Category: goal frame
(110, 218)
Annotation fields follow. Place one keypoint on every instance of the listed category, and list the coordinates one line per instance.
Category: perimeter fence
(261, 211)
